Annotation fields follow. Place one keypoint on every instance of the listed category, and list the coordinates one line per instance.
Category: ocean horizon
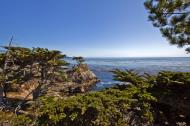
(102, 66)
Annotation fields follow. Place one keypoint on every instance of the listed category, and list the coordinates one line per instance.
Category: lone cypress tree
(79, 59)
(172, 17)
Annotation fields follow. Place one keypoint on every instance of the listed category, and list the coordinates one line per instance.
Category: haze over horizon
(96, 28)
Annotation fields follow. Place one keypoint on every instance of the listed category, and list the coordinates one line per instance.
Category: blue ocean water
(102, 67)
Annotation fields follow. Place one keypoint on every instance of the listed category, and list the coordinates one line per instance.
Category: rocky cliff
(78, 80)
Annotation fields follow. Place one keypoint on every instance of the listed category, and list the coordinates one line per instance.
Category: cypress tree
(172, 17)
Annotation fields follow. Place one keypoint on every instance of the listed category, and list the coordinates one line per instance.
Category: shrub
(110, 107)
(21, 120)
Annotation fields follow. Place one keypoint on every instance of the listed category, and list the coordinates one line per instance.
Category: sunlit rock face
(81, 73)
(82, 77)
(79, 80)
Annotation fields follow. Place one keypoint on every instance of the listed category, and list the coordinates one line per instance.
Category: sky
(88, 28)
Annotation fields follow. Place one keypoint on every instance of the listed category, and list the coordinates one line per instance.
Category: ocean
(102, 67)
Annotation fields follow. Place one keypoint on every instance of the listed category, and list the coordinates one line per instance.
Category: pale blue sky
(90, 28)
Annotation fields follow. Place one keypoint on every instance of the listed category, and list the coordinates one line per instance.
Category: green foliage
(109, 107)
(173, 19)
(134, 78)
(135, 104)
(24, 64)
(21, 120)
(167, 78)
(51, 57)
(2, 60)
(22, 56)
(79, 59)
(127, 76)
(172, 84)
(171, 89)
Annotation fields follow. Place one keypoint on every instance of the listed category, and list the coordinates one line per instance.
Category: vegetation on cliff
(27, 74)
(144, 100)
(19, 65)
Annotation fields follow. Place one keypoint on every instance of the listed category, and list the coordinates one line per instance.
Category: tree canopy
(23, 64)
(172, 17)
(79, 59)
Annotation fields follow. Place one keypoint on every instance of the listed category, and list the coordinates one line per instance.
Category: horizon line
(134, 57)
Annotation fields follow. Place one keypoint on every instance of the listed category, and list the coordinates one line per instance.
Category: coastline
(102, 67)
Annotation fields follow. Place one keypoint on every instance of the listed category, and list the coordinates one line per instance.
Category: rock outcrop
(78, 80)
(81, 73)
(82, 77)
